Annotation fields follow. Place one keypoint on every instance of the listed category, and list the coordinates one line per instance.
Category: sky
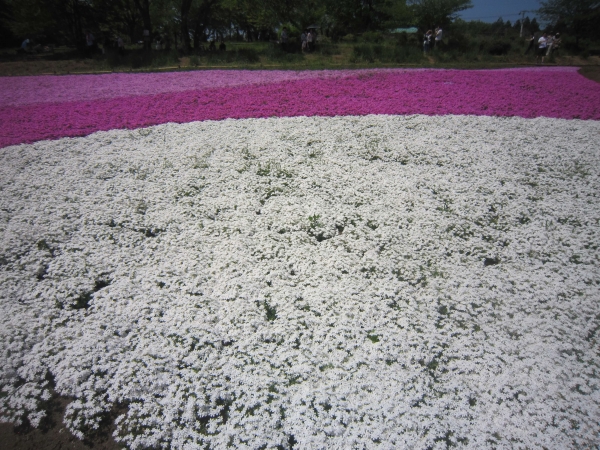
(490, 10)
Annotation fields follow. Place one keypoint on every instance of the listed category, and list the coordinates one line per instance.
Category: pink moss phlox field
(29, 90)
(520, 92)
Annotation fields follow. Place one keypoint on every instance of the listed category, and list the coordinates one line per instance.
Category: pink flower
(94, 104)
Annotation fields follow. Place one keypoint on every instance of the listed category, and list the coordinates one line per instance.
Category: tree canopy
(580, 17)
(192, 21)
(431, 13)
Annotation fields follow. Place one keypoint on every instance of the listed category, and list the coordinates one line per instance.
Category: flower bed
(186, 97)
(369, 280)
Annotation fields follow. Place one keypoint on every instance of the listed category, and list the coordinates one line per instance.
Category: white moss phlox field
(348, 282)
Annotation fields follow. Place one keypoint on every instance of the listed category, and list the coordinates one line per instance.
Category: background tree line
(188, 23)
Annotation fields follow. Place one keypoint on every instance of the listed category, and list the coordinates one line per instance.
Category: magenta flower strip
(521, 92)
(29, 90)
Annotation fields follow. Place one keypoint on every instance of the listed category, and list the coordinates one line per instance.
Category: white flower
(233, 286)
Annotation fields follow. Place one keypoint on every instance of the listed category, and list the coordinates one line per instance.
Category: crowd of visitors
(543, 46)
(431, 40)
(29, 46)
(308, 39)
(547, 45)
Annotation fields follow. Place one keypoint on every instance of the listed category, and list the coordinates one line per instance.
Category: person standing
(303, 41)
(146, 35)
(284, 39)
(89, 42)
(531, 43)
(549, 42)
(556, 44)
(310, 41)
(427, 42)
(438, 37)
(120, 46)
(541, 48)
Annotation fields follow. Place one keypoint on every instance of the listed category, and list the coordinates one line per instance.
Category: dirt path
(52, 434)
(591, 72)
(39, 66)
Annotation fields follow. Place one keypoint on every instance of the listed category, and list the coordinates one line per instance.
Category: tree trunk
(185, 31)
(130, 18)
(198, 34)
(73, 17)
(201, 21)
(143, 7)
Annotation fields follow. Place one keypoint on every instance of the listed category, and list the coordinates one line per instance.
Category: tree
(534, 26)
(581, 17)
(117, 17)
(357, 16)
(7, 38)
(52, 20)
(185, 30)
(567, 10)
(431, 13)
(143, 7)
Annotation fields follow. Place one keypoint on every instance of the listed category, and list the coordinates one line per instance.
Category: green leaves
(433, 13)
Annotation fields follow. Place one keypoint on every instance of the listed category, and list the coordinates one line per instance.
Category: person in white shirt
(549, 42)
(284, 39)
(438, 37)
(310, 40)
(542, 47)
(120, 45)
(427, 42)
(556, 44)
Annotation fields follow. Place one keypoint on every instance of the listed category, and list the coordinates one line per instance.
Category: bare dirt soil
(52, 434)
(591, 72)
(44, 65)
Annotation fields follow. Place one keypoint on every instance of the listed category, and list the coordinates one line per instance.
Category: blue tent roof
(408, 30)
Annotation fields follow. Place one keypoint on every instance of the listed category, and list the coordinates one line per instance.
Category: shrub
(372, 36)
(450, 56)
(402, 38)
(362, 52)
(413, 40)
(137, 59)
(275, 53)
(407, 54)
(499, 48)
(329, 49)
(458, 41)
(471, 56)
(163, 58)
(140, 59)
(247, 55)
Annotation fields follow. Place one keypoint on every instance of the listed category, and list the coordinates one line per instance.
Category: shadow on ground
(52, 434)
(591, 72)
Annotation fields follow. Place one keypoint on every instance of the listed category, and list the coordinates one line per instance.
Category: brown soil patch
(42, 67)
(53, 435)
(591, 72)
